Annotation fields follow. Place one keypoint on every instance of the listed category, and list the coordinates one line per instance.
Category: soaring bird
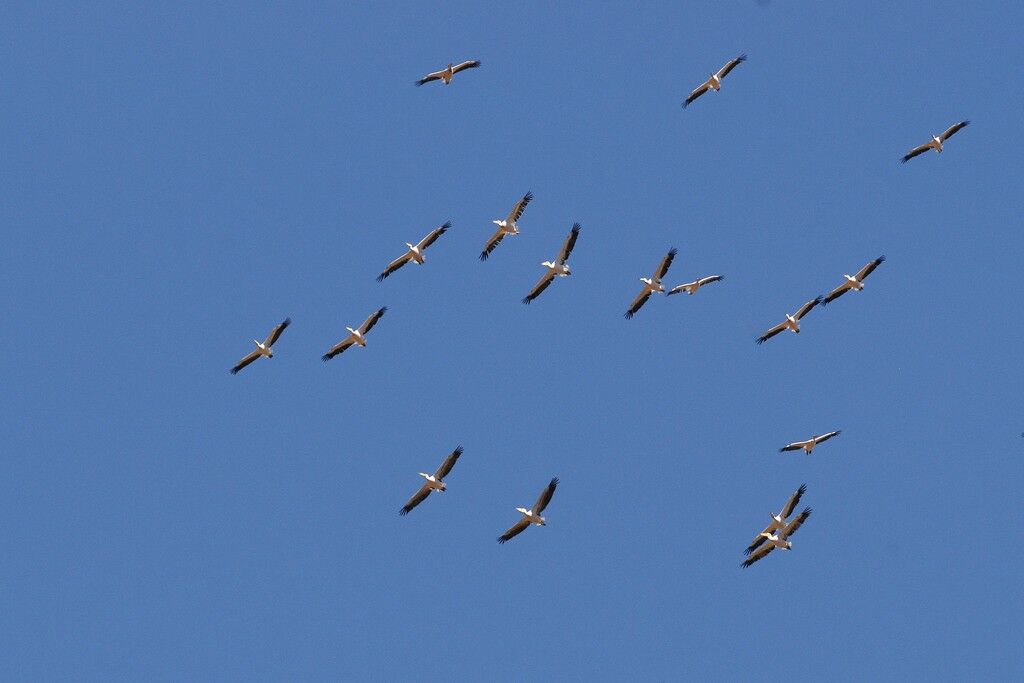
(714, 81)
(935, 143)
(263, 349)
(531, 516)
(854, 282)
(559, 267)
(446, 73)
(692, 287)
(415, 252)
(652, 284)
(808, 446)
(507, 226)
(778, 539)
(355, 337)
(792, 322)
(779, 520)
(433, 482)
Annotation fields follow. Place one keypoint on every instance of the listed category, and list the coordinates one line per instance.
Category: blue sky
(177, 180)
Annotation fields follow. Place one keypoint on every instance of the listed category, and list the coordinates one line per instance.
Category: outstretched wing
(869, 268)
(416, 499)
(338, 349)
(245, 361)
(951, 131)
(836, 293)
(757, 555)
(492, 244)
(516, 529)
(697, 92)
(680, 288)
(915, 152)
(448, 464)
(807, 307)
(542, 284)
(394, 265)
(826, 437)
(759, 541)
(275, 333)
(793, 501)
(666, 263)
(435, 76)
(724, 71)
(638, 303)
(771, 333)
(517, 210)
(471, 64)
(709, 279)
(372, 320)
(434, 234)
(545, 497)
(570, 242)
(792, 527)
(793, 446)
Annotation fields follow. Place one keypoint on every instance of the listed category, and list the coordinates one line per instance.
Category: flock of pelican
(783, 525)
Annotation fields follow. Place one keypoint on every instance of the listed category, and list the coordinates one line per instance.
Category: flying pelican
(652, 284)
(446, 73)
(855, 282)
(714, 82)
(935, 143)
(692, 287)
(779, 520)
(263, 349)
(507, 226)
(433, 482)
(792, 322)
(808, 446)
(777, 540)
(531, 516)
(355, 337)
(557, 267)
(415, 253)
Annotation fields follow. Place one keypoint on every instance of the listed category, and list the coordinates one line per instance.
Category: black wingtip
(380, 278)
(629, 315)
(484, 255)
(802, 489)
(501, 540)
(458, 449)
(382, 310)
(527, 300)
(447, 224)
(673, 251)
(881, 259)
(286, 322)
(234, 371)
(403, 512)
(326, 357)
(742, 57)
(554, 481)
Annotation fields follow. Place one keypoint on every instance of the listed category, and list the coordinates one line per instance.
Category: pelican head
(547, 264)
(411, 247)
(543, 522)
(351, 330)
(523, 511)
(424, 475)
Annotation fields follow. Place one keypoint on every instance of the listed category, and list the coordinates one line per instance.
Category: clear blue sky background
(178, 180)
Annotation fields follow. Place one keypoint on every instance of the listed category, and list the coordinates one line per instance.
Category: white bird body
(792, 322)
(808, 445)
(432, 482)
(936, 142)
(652, 284)
(415, 252)
(445, 75)
(265, 348)
(355, 337)
(714, 81)
(531, 516)
(853, 283)
(506, 226)
(692, 287)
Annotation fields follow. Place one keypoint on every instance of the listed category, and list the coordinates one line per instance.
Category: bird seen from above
(557, 268)
(445, 75)
(265, 349)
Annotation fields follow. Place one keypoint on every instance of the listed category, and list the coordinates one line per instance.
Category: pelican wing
(570, 242)
(434, 76)
(492, 244)
(416, 499)
(771, 333)
(395, 265)
(836, 293)
(758, 554)
(372, 320)
(517, 210)
(545, 497)
(432, 237)
(448, 464)
(724, 71)
(869, 268)
(338, 348)
(666, 263)
(638, 302)
(793, 526)
(826, 437)
(793, 501)
(275, 333)
(245, 361)
(680, 288)
(516, 529)
(915, 152)
(541, 285)
(471, 64)
(759, 541)
(697, 92)
(709, 279)
(795, 446)
(807, 307)
(951, 131)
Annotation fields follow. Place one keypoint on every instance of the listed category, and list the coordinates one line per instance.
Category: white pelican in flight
(808, 446)
(507, 226)
(415, 252)
(853, 282)
(559, 267)
(433, 482)
(792, 322)
(446, 73)
(714, 81)
(652, 284)
(935, 143)
(779, 520)
(531, 516)
(692, 287)
(355, 337)
(778, 539)
(263, 349)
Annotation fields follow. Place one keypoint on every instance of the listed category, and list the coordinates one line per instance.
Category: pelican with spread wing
(434, 482)
(808, 445)
(692, 287)
(415, 253)
(779, 520)
(652, 284)
(557, 268)
(792, 322)
(265, 349)
(508, 226)
(355, 337)
(853, 282)
(935, 143)
(445, 75)
(531, 516)
(714, 81)
(779, 539)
